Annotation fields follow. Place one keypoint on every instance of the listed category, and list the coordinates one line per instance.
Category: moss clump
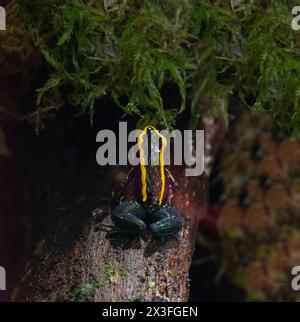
(82, 293)
(111, 273)
(209, 49)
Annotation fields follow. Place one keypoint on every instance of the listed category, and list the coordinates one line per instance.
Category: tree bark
(120, 269)
(88, 266)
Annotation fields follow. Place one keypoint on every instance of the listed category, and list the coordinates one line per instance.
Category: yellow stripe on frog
(143, 164)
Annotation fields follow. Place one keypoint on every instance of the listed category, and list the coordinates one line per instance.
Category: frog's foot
(166, 222)
(129, 218)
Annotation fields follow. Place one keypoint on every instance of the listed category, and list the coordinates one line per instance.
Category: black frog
(151, 212)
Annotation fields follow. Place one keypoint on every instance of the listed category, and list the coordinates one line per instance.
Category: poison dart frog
(149, 210)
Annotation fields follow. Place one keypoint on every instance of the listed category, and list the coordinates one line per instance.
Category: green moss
(81, 293)
(211, 50)
(151, 285)
(123, 275)
(110, 271)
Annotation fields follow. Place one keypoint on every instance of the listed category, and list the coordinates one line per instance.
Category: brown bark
(90, 266)
(122, 269)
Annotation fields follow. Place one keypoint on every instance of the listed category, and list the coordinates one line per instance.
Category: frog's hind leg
(129, 217)
(166, 222)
